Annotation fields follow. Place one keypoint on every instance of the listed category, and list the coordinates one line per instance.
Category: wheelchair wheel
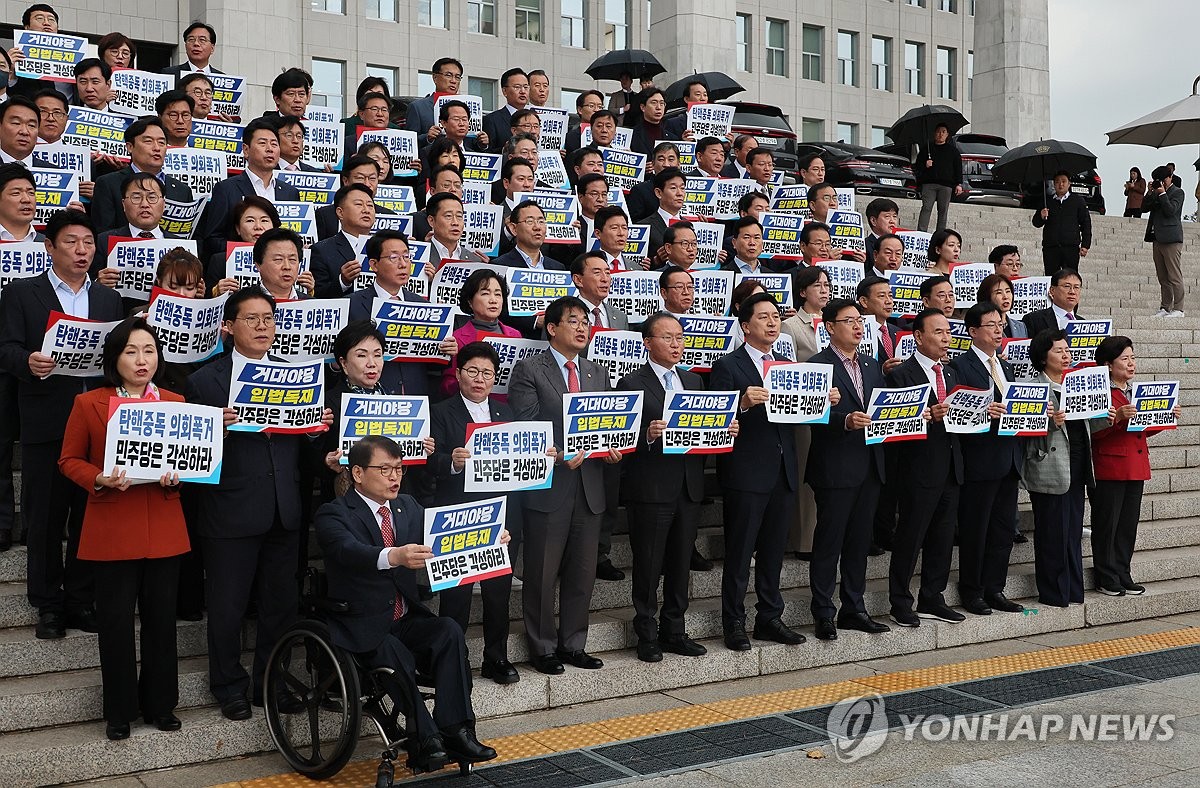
(312, 701)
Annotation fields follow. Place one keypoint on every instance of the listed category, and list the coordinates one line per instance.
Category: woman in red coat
(134, 535)
(1122, 464)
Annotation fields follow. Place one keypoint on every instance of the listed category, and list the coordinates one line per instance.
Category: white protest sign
(511, 350)
(967, 412)
(148, 439)
(620, 352)
(305, 330)
(508, 457)
(698, 422)
(75, 344)
(465, 539)
(189, 329)
(403, 419)
(596, 422)
(798, 392)
(269, 396)
(1086, 393)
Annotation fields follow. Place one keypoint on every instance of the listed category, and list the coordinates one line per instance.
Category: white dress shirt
(134, 232)
(1060, 315)
(561, 361)
(480, 412)
(6, 159)
(659, 372)
(73, 303)
(381, 563)
(266, 189)
(927, 367)
(5, 235)
(758, 357)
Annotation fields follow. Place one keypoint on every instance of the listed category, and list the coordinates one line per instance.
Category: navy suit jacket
(986, 457)
(761, 445)
(183, 69)
(448, 426)
(927, 463)
(837, 457)
(226, 194)
(1040, 320)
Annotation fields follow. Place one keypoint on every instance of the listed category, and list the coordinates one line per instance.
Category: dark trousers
(495, 591)
(612, 500)
(10, 432)
(560, 552)
(985, 520)
(50, 504)
(1116, 509)
(190, 599)
(756, 525)
(843, 538)
(261, 568)
(1057, 547)
(927, 518)
(884, 527)
(149, 585)
(435, 646)
(661, 536)
(1056, 257)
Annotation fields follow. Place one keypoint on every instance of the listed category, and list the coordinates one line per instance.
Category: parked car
(1085, 184)
(866, 170)
(979, 153)
(770, 127)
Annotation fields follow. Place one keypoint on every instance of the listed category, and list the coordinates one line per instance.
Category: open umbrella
(1033, 161)
(1177, 124)
(916, 126)
(636, 62)
(719, 85)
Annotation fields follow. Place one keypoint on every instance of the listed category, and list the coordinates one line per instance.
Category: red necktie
(597, 317)
(389, 540)
(941, 383)
(885, 336)
(572, 377)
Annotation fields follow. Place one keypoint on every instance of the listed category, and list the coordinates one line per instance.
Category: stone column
(1012, 70)
(688, 36)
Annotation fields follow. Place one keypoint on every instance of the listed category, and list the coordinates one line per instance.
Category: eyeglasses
(477, 373)
(450, 75)
(533, 222)
(53, 114)
(851, 321)
(137, 198)
(674, 339)
(201, 92)
(686, 244)
(257, 320)
(396, 259)
(1070, 288)
(576, 322)
(294, 136)
(172, 115)
(682, 288)
(197, 40)
(993, 326)
(388, 471)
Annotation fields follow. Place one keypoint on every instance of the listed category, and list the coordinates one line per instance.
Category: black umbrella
(636, 62)
(916, 126)
(1031, 162)
(719, 85)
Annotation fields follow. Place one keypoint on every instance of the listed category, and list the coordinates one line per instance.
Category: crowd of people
(235, 548)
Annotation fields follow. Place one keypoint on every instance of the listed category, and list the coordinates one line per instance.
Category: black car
(866, 170)
(770, 127)
(1086, 184)
(979, 152)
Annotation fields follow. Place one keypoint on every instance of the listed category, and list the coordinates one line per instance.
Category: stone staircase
(50, 729)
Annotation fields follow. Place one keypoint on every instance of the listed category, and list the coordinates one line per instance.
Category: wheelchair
(315, 695)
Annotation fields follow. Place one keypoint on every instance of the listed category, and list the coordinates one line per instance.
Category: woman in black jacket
(938, 170)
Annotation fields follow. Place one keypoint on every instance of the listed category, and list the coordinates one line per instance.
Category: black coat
(947, 165)
(838, 457)
(106, 210)
(651, 476)
(762, 447)
(448, 426)
(987, 456)
(1069, 222)
(925, 463)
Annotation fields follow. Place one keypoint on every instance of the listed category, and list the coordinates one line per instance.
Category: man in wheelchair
(372, 541)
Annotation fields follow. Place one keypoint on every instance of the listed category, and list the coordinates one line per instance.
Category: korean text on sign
(508, 457)
(465, 539)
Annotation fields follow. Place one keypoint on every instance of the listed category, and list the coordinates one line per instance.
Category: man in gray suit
(1165, 231)
(562, 524)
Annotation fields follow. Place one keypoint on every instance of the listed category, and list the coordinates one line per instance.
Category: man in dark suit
(526, 226)
(1066, 287)
(337, 261)
(651, 130)
(248, 525)
(987, 506)
(874, 296)
(19, 133)
(356, 169)
(372, 541)
(759, 481)
(142, 209)
(710, 157)
(845, 475)
(514, 84)
(260, 146)
(447, 77)
(664, 492)
(516, 177)
(291, 142)
(447, 223)
(735, 167)
(587, 103)
(929, 473)
(199, 42)
(1066, 226)
(670, 189)
(641, 200)
(50, 502)
(562, 523)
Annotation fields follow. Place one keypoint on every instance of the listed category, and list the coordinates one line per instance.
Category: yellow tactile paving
(590, 734)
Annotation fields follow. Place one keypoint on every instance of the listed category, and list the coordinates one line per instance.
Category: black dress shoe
(825, 629)
(736, 640)
(777, 631)
(862, 622)
(165, 722)
(579, 658)
(116, 731)
(606, 571)
(649, 651)
(876, 550)
(905, 617)
(1133, 588)
(977, 606)
(5, 541)
(50, 626)
(1020, 538)
(1001, 602)
(463, 747)
(236, 709)
(500, 671)
(940, 613)
(700, 563)
(83, 620)
(547, 663)
(430, 756)
(682, 645)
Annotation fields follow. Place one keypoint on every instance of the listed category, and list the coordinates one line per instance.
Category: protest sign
(305, 330)
(906, 291)
(1086, 393)
(1016, 352)
(781, 234)
(698, 421)
(637, 247)
(798, 392)
(530, 291)
(561, 211)
(482, 227)
(966, 278)
(843, 278)
(482, 167)
(224, 138)
(75, 344)
(136, 261)
(896, 414)
(474, 111)
(552, 172)
(784, 346)
(134, 92)
(413, 331)
(706, 339)
(50, 56)
(21, 260)
(508, 457)
(228, 94)
(1155, 403)
(239, 264)
(395, 198)
(448, 280)
(699, 198)
(511, 350)
(713, 291)
(317, 188)
(1030, 293)
(403, 419)
(401, 147)
(553, 134)
(623, 169)
(622, 140)
(960, 339)
(709, 238)
(866, 345)
(300, 218)
(789, 199)
(916, 248)
(396, 222)
(620, 352)
(729, 192)
(709, 120)
(906, 345)
(778, 285)
(465, 539)
(617, 197)
(1025, 410)
(968, 411)
(323, 145)
(1084, 336)
(476, 193)
(320, 114)
(189, 329)
(635, 292)
(148, 439)
(181, 219)
(846, 231)
(54, 190)
(595, 422)
(269, 396)
(100, 132)
(687, 149)
(72, 158)
(201, 170)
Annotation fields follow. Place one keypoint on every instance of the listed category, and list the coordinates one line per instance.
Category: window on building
(878, 136)
(917, 3)
(812, 130)
(481, 17)
(881, 63)
(574, 24)
(946, 73)
(616, 24)
(567, 97)
(971, 7)
(847, 43)
(387, 74)
(431, 13)
(777, 47)
(970, 76)
(529, 20)
(383, 10)
(812, 48)
(485, 89)
(329, 83)
(742, 27)
(949, 6)
(914, 68)
(424, 83)
(329, 6)
(847, 132)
